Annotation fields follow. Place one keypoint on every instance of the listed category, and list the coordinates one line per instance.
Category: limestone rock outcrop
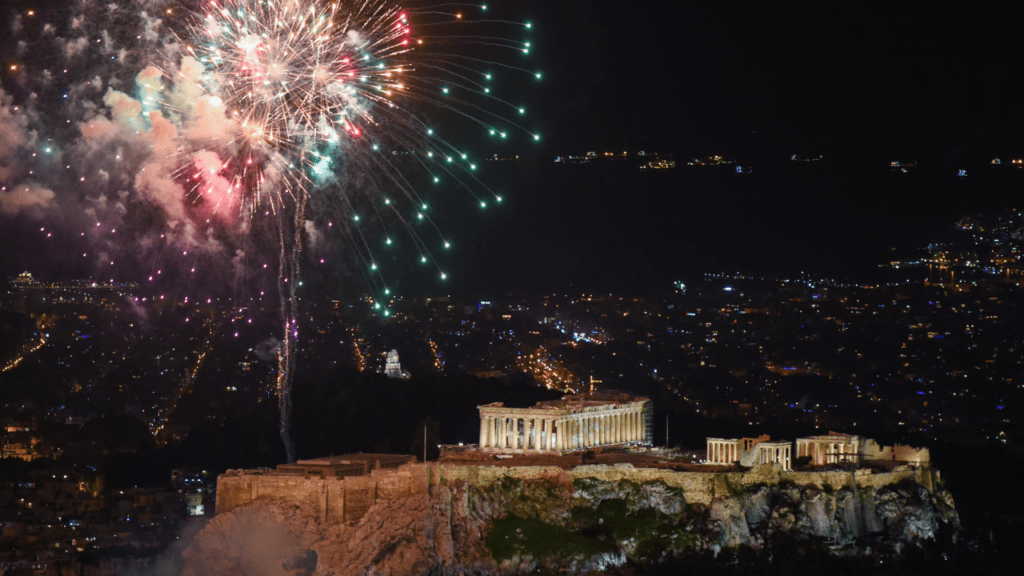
(557, 522)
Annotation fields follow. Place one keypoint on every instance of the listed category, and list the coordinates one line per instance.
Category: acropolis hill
(573, 485)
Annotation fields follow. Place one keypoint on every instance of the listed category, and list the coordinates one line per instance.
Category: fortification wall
(347, 499)
(871, 450)
(335, 499)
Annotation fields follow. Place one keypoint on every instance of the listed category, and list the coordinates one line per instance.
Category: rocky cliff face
(517, 526)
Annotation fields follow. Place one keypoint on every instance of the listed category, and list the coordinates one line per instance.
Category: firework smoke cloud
(168, 141)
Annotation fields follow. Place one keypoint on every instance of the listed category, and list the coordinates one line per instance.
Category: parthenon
(575, 422)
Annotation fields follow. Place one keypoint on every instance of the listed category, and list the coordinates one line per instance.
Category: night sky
(858, 85)
(871, 80)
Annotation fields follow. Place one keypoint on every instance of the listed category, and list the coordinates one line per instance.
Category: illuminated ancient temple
(576, 422)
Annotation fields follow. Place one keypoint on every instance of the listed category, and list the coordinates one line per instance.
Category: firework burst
(307, 86)
(173, 141)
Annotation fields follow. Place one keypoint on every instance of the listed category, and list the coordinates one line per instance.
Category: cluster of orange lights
(546, 370)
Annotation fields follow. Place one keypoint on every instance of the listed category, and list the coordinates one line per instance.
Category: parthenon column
(514, 440)
(538, 425)
(483, 432)
(502, 433)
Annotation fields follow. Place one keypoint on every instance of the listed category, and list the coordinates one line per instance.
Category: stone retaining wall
(347, 499)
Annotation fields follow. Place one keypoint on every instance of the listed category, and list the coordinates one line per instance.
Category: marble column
(538, 426)
(483, 432)
(514, 440)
